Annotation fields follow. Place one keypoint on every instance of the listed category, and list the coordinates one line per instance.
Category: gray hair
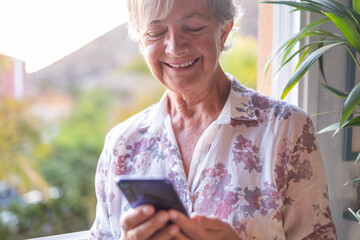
(142, 12)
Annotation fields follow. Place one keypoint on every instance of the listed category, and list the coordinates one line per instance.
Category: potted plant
(347, 20)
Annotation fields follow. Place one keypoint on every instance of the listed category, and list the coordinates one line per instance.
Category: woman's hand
(201, 227)
(143, 223)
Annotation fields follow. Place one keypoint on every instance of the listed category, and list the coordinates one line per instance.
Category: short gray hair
(142, 12)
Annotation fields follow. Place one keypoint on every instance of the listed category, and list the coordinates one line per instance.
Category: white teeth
(182, 65)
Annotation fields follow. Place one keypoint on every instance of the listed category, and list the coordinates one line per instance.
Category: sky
(40, 32)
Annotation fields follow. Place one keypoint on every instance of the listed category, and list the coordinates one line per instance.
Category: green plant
(18, 138)
(56, 216)
(347, 20)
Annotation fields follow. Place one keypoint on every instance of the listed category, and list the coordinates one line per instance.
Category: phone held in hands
(158, 192)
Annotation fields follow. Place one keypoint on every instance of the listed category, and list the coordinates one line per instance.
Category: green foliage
(85, 128)
(5, 231)
(347, 20)
(304, 67)
(68, 162)
(241, 60)
(356, 6)
(37, 220)
(18, 137)
(138, 66)
(352, 100)
(77, 147)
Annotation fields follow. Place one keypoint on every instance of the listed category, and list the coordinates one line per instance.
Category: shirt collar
(157, 115)
(238, 107)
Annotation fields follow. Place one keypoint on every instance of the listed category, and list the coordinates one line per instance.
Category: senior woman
(244, 165)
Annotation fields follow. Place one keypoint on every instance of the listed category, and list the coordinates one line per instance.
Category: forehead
(182, 10)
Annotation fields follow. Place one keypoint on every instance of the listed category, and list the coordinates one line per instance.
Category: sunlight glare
(41, 32)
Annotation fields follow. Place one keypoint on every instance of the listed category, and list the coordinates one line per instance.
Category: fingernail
(173, 215)
(162, 217)
(194, 215)
(147, 210)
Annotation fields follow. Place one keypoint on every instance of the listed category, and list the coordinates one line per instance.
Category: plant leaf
(310, 46)
(297, 5)
(321, 33)
(348, 29)
(305, 32)
(354, 122)
(304, 67)
(333, 7)
(331, 128)
(337, 8)
(356, 5)
(291, 42)
(337, 92)
(350, 103)
(303, 55)
(321, 65)
(357, 158)
(352, 181)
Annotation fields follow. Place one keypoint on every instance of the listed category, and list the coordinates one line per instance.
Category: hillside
(99, 63)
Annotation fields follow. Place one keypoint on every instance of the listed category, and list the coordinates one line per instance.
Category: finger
(149, 227)
(217, 228)
(180, 236)
(208, 222)
(188, 226)
(169, 232)
(136, 216)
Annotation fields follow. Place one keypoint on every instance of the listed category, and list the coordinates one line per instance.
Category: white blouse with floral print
(257, 167)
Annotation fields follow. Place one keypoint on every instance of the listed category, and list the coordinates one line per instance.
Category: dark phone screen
(158, 192)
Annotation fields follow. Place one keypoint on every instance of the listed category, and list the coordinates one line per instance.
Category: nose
(176, 43)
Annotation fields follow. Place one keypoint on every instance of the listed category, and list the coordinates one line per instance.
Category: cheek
(151, 55)
(212, 50)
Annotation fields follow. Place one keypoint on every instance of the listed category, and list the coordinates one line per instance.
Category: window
(276, 25)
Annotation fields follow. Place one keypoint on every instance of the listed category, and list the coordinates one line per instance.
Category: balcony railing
(84, 235)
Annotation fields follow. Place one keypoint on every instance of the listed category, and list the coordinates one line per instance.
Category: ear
(225, 31)
(141, 43)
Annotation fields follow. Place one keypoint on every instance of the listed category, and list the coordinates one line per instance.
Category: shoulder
(273, 114)
(266, 106)
(277, 109)
(280, 108)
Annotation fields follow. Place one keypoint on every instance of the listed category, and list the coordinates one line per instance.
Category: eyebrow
(196, 15)
(192, 15)
(157, 21)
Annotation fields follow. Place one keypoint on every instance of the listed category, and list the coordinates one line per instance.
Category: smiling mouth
(183, 65)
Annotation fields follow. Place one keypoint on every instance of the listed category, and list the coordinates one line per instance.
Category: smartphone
(158, 192)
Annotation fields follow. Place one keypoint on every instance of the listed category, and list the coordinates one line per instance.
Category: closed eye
(155, 34)
(194, 30)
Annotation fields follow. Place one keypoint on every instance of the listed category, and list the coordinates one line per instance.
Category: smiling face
(183, 49)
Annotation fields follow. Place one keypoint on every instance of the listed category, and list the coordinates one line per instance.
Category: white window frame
(285, 25)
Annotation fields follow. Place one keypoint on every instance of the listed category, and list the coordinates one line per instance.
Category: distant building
(13, 78)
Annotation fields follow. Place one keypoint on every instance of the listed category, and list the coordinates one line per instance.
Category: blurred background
(68, 74)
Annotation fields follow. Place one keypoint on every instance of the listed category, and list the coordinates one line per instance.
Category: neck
(208, 102)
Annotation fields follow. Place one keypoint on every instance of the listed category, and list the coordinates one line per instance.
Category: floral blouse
(257, 167)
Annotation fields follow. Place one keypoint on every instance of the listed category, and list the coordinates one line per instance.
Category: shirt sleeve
(306, 212)
(101, 229)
